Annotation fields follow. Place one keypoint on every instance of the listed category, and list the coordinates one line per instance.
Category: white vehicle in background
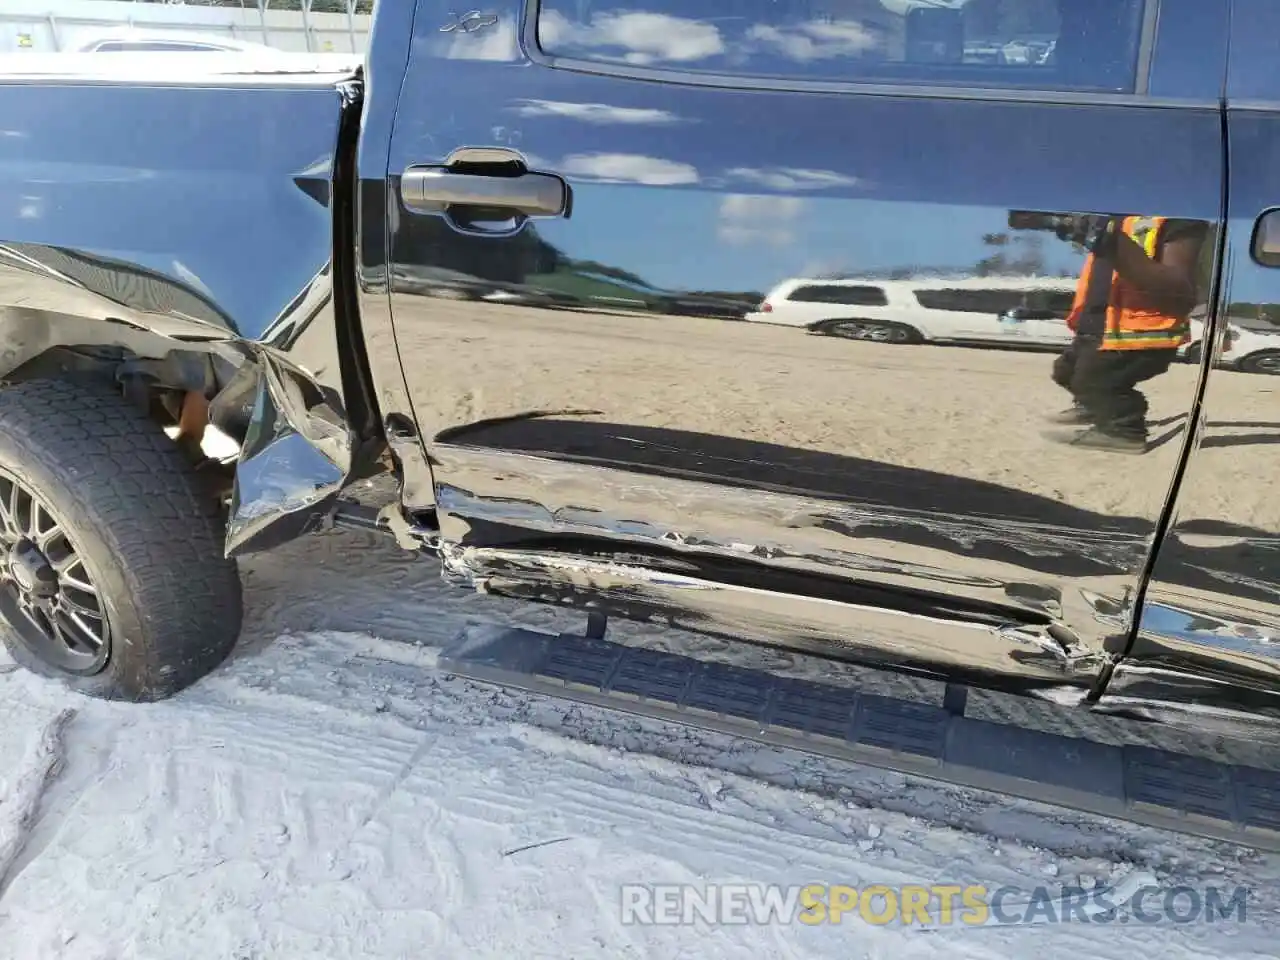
(1027, 311)
(170, 41)
(1248, 351)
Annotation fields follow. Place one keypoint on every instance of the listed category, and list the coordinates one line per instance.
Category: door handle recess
(434, 189)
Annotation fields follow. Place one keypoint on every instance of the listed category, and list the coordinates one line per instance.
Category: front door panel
(588, 387)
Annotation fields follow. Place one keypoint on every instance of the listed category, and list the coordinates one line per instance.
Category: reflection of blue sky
(1169, 621)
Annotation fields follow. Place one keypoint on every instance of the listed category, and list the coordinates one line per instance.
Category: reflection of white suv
(134, 41)
(1010, 310)
(1246, 350)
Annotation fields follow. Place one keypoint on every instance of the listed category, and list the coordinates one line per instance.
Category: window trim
(1142, 80)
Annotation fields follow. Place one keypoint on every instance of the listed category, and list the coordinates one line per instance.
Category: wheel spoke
(9, 508)
(70, 605)
(22, 506)
(42, 614)
(76, 634)
(43, 535)
(75, 583)
(69, 627)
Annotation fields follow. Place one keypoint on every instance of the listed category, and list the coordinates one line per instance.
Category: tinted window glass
(851, 296)
(1044, 44)
(1050, 302)
(971, 301)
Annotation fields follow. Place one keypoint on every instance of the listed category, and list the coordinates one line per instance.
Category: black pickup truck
(516, 258)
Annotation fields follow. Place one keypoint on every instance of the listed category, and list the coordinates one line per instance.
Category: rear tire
(1264, 361)
(874, 330)
(100, 512)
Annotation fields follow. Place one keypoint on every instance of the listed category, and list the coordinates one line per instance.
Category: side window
(844, 295)
(1053, 303)
(1037, 44)
(971, 301)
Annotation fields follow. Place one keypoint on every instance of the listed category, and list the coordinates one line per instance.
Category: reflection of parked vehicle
(137, 41)
(1243, 349)
(980, 52)
(1028, 311)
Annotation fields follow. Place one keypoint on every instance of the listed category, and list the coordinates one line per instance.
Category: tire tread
(144, 502)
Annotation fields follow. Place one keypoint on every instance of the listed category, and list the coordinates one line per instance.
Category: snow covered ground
(330, 794)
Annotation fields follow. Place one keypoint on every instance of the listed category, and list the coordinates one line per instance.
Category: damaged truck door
(611, 418)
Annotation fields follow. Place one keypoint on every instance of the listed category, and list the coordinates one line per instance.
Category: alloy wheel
(865, 330)
(46, 592)
(1268, 363)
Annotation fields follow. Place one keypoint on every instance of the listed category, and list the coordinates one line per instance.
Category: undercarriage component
(418, 533)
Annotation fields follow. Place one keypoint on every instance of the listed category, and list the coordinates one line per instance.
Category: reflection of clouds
(595, 112)
(747, 219)
(816, 40)
(629, 168)
(791, 178)
(643, 37)
(535, 161)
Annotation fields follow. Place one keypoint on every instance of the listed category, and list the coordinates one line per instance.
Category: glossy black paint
(595, 440)
(1252, 75)
(1207, 644)
(858, 42)
(377, 210)
(1190, 50)
(179, 255)
(595, 407)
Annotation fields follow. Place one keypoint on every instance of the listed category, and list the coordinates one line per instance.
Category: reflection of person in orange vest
(1129, 319)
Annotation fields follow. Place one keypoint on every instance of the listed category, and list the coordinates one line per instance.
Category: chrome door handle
(433, 189)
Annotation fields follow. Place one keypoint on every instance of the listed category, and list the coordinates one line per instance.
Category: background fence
(316, 26)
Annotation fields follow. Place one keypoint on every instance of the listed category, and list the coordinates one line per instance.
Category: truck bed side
(186, 225)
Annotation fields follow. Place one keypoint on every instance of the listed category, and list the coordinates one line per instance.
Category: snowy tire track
(20, 805)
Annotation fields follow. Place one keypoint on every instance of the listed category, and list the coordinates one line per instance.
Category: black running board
(1141, 784)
